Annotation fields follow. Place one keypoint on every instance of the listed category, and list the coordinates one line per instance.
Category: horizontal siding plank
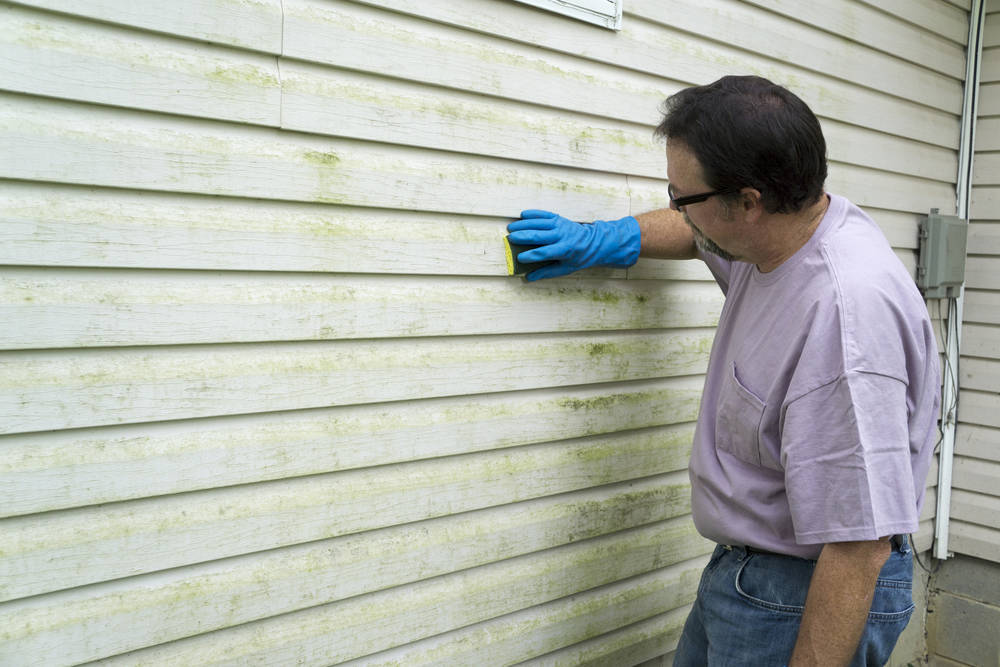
(795, 43)
(938, 17)
(51, 390)
(978, 508)
(885, 152)
(984, 237)
(369, 40)
(106, 619)
(989, 99)
(647, 194)
(885, 190)
(981, 271)
(75, 547)
(46, 225)
(633, 644)
(986, 170)
(666, 269)
(56, 470)
(985, 203)
(900, 228)
(376, 41)
(972, 540)
(977, 475)
(110, 147)
(44, 54)
(333, 101)
(367, 624)
(981, 341)
(979, 408)
(540, 630)
(774, 37)
(323, 100)
(991, 29)
(252, 24)
(74, 308)
(979, 374)
(978, 442)
(988, 130)
(990, 72)
(650, 31)
(877, 30)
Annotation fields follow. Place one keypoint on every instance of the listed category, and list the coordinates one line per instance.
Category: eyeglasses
(678, 203)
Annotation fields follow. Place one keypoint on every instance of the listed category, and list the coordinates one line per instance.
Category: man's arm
(665, 235)
(838, 602)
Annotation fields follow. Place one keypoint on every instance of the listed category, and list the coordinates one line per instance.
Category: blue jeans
(749, 607)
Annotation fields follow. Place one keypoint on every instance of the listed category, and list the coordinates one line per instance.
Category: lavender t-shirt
(819, 413)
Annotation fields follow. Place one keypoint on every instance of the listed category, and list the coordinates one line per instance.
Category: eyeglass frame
(678, 203)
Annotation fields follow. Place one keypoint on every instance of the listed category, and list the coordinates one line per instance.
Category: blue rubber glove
(574, 245)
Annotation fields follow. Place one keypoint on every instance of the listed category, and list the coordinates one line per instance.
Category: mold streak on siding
(975, 505)
(266, 392)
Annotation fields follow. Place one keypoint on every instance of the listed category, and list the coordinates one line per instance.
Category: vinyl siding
(266, 393)
(975, 505)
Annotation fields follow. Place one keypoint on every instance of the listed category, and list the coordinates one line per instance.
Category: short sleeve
(845, 451)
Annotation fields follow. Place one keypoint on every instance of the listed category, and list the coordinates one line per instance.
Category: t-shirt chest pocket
(738, 420)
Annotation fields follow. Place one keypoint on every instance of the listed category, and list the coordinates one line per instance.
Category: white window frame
(606, 13)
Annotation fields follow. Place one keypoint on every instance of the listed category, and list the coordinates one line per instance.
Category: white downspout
(953, 337)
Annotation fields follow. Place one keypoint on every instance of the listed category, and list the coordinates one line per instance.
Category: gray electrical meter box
(941, 265)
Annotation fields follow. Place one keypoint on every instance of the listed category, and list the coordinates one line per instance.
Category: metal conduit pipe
(953, 336)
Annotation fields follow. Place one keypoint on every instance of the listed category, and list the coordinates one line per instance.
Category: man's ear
(751, 204)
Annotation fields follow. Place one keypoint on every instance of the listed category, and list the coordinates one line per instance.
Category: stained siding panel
(129, 308)
(355, 627)
(183, 602)
(268, 394)
(548, 628)
(46, 54)
(68, 389)
(47, 471)
(253, 24)
(82, 546)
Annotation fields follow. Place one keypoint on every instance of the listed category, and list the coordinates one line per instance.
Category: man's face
(712, 223)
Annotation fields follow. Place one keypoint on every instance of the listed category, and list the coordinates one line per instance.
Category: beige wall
(265, 390)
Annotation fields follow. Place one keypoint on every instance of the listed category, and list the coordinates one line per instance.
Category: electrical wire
(950, 377)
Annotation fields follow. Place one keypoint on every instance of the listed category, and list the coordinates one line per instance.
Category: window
(607, 13)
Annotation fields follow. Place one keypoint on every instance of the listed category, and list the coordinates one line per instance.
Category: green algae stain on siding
(330, 178)
(326, 159)
(243, 74)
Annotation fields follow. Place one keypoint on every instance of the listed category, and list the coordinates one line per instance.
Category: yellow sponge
(514, 267)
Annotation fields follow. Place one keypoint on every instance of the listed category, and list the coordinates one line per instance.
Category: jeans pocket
(713, 562)
(892, 606)
(774, 583)
(892, 602)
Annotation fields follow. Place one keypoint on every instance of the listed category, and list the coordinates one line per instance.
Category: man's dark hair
(749, 132)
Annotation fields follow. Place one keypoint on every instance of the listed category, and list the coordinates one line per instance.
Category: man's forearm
(838, 602)
(665, 235)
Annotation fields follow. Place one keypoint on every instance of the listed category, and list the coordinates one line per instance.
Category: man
(818, 417)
